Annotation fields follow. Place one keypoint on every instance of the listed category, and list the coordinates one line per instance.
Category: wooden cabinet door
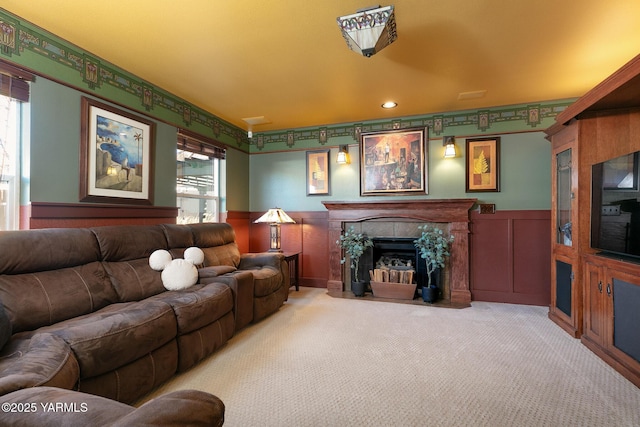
(595, 304)
(566, 295)
(623, 300)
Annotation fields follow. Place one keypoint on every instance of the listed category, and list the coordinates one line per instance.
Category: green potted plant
(354, 245)
(434, 249)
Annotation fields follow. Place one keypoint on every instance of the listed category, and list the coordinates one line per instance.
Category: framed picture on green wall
(116, 152)
(483, 165)
(317, 172)
(394, 162)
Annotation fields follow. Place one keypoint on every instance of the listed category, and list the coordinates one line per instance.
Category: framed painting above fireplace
(394, 162)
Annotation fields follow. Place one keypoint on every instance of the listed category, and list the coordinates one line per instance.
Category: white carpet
(323, 361)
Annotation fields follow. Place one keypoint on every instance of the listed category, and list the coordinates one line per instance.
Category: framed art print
(483, 165)
(394, 162)
(317, 172)
(116, 149)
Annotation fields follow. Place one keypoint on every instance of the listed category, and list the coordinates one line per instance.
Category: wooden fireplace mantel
(455, 212)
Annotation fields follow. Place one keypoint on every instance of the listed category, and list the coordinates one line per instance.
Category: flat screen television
(615, 206)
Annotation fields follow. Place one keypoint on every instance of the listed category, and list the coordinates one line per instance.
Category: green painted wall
(238, 190)
(279, 179)
(55, 148)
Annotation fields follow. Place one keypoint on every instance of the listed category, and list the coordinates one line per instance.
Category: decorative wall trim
(513, 118)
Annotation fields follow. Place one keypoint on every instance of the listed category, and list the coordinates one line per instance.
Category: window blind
(14, 82)
(190, 141)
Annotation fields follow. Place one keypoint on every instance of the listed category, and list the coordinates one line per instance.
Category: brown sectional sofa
(80, 309)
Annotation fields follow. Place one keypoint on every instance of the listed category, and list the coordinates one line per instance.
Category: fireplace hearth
(400, 219)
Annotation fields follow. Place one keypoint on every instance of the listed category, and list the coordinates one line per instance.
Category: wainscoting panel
(77, 215)
(510, 257)
(240, 223)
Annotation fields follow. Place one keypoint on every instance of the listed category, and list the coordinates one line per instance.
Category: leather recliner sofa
(80, 309)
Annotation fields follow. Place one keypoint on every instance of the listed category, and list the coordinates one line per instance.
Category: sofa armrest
(183, 407)
(252, 261)
(59, 407)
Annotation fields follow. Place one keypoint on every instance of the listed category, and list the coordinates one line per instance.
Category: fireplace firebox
(395, 251)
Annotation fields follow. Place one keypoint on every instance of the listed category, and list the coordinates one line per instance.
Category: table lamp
(274, 217)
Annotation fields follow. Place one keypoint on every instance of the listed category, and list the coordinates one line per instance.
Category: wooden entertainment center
(595, 296)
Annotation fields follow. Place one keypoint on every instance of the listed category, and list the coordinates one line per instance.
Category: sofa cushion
(26, 251)
(5, 326)
(199, 305)
(178, 236)
(221, 255)
(218, 242)
(32, 300)
(30, 360)
(266, 280)
(134, 280)
(215, 271)
(117, 334)
(132, 381)
(129, 242)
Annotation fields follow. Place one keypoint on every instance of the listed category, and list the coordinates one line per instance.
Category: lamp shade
(367, 32)
(275, 216)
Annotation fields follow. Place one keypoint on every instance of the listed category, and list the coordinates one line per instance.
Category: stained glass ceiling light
(369, 30)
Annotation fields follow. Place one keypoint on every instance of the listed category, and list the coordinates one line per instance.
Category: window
(198, 179)
(198, 192)
(9, 164)
(14, 90)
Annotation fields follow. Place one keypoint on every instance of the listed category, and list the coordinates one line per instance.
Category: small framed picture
(483, 165)
(317, 172)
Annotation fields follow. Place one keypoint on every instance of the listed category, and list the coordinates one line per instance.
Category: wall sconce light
(449, 147)
(274, 217)
(343, 155)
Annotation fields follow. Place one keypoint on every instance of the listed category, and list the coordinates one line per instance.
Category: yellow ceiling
(286, 59)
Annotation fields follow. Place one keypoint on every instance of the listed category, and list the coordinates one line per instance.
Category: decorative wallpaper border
(37, 49)
(515, 118)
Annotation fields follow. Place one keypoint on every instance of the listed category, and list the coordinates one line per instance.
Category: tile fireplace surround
(453, 212)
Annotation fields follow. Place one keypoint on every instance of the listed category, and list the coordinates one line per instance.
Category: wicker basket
(393, 290)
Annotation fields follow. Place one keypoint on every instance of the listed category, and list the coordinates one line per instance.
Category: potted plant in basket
(434, 249)
(354, 245)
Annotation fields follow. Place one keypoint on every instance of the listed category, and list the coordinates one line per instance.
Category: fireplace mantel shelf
(432, 210)
(452, 211)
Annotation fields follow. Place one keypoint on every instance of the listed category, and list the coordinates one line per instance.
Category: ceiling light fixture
(389, 104)
(369, 30)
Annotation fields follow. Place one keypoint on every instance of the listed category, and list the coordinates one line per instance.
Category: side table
(292, 259)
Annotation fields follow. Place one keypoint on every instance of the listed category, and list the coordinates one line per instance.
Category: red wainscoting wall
(308, 236)
(76, 215)
(511, 257)
(509, 251)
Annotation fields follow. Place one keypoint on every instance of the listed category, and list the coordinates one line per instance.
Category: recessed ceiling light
(389, 104)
